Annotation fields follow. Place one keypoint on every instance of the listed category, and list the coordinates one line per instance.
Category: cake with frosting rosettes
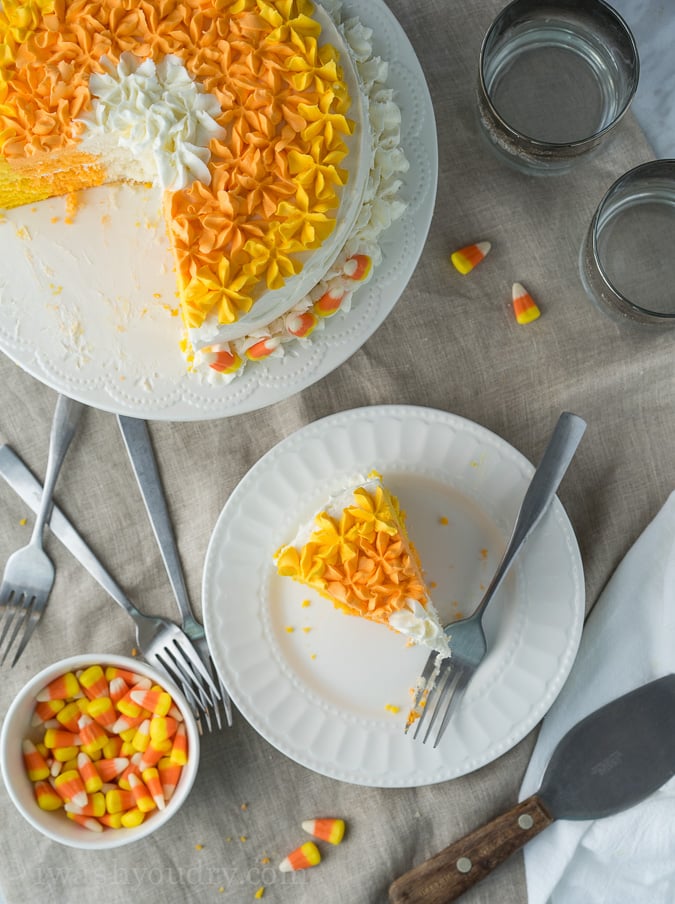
(266, 123)
(356, 552)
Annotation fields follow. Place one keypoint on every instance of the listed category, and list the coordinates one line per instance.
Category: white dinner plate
(90, 309)
(322, 686)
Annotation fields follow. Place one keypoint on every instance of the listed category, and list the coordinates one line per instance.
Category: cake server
(608, 762)
(160, 640)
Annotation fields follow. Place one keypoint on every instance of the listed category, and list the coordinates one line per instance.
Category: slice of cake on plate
(356, 552)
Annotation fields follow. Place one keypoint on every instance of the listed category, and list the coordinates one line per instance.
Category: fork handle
(458, 867)
(67, 416)
(139, 447)
(542, 488)
(28, 487)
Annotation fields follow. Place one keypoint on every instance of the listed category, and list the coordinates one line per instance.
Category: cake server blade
(609, 761)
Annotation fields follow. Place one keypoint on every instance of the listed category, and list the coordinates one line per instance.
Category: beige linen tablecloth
(450, 343)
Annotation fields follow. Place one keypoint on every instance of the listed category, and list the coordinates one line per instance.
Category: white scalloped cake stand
(97, 319)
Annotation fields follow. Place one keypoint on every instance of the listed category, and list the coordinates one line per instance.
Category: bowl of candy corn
(98, 751)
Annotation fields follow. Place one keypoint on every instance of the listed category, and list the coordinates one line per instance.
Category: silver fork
(160, 640)
(444, 680)
(139, 446)
(29, 572)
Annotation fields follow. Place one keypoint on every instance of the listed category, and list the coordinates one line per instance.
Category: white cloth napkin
(629, 639)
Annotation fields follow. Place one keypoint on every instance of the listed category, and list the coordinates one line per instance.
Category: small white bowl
(55, 824)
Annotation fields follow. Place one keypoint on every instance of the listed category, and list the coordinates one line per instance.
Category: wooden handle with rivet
(458, 867)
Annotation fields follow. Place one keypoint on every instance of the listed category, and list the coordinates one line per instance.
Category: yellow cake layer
(48, 176)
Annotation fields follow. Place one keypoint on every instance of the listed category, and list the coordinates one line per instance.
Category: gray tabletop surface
(451, 344)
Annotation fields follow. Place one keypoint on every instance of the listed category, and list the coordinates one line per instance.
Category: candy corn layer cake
(266, 123)
(357, 553)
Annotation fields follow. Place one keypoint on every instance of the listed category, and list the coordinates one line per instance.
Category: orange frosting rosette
(362, 560)
(275, 176)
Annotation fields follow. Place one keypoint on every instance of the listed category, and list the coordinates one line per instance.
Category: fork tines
(183, 664)
(439, 690)
(22, 613)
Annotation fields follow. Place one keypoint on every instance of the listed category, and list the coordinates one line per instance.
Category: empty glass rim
(665, 165)
(580, 142)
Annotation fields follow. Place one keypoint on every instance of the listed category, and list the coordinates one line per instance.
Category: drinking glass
(627, 259)
(555, 78)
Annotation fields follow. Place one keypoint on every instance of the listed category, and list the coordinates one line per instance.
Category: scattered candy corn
(301, 858)
(524, 306)
(465, 259)
(330, 830)
(103, 767)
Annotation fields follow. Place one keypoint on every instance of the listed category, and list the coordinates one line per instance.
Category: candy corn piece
(70, 786)
(524, 306)
(112, 820)
(465, 259)
(142, 797)
(142, 736)
(179, 753)
(47, 798)
(35, 763)
(262, 349)
(109, 769)
(69, 717)
(132, 769)
(91, 734)
(132, 818)
(88, 822)
(60, 688)
(301, 325)
(118, 688)
(153, 783)
(119, 800)
(154, 752)
(102, 710)
(301, 858)
(162, 727)
(155, 700)
(329, 302)
(46, 711)
(93, 682)
(131, 678)
(89, 774)
(112, 748)
(169, 774)
(224, 361)
(95, 806)
(330, 830)
(56, 737)
(358, 267)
